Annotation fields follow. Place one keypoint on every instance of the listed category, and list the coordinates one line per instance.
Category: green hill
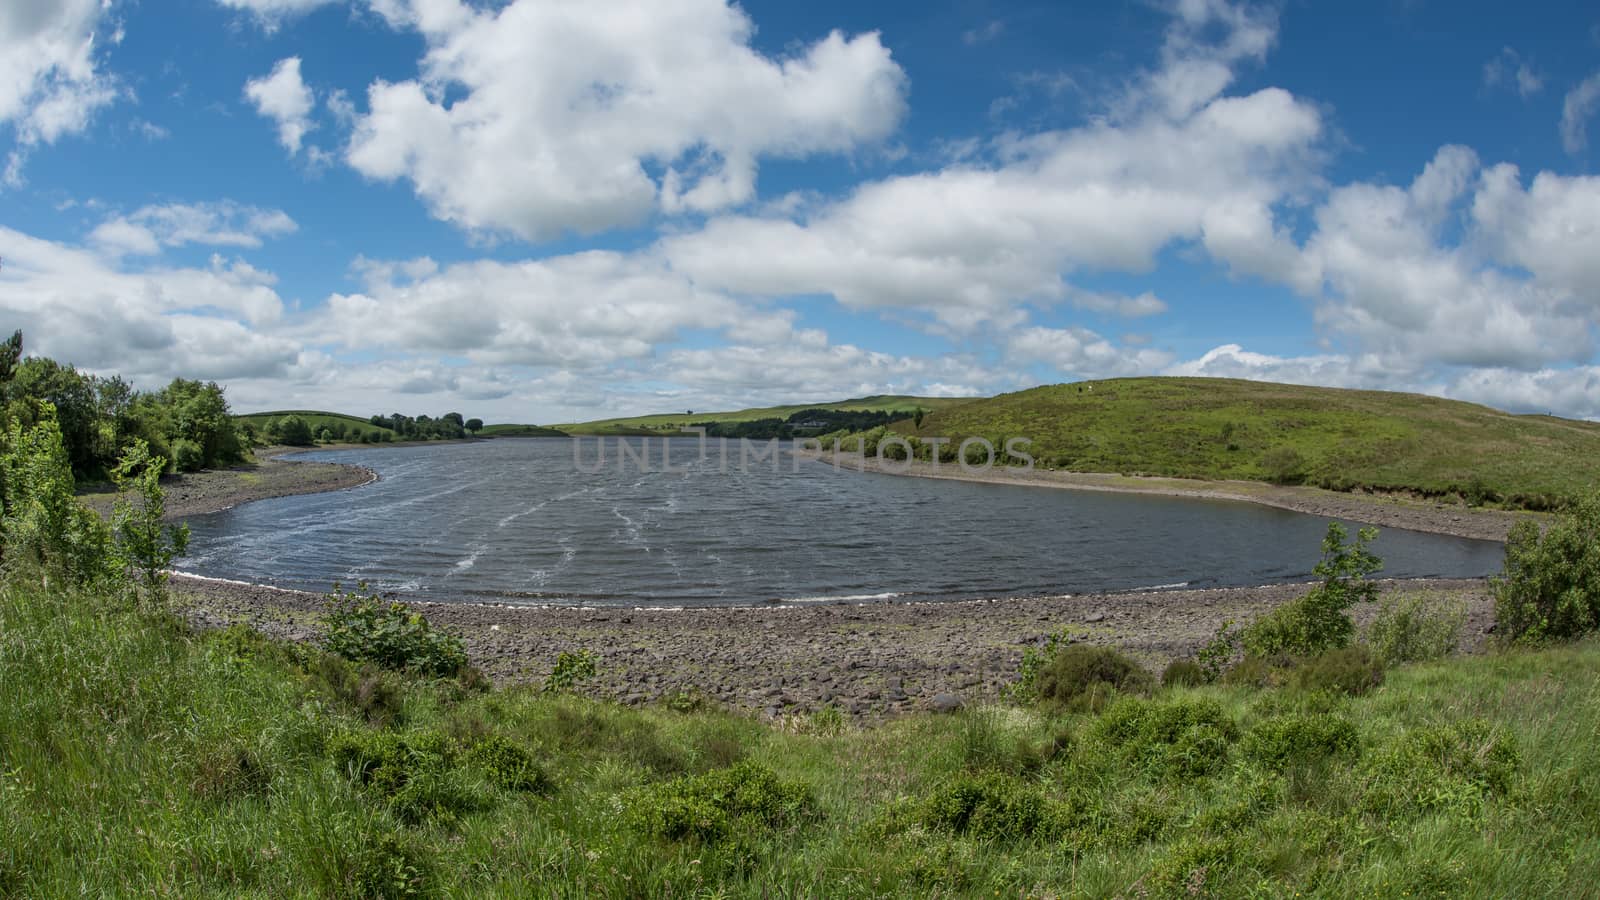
(317, 420)
(1339, 439)
(671, 422)
(519, 431)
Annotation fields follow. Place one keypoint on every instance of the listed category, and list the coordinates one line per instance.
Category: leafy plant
(1081, 675)
(1320, 620)
(570, 669)
(42, 523)
(1414, 627)
(508, 765)
(744, 798)
(1348, 670)
(1550, 586)
(362, 627)
(141, 545)
(1183, 672)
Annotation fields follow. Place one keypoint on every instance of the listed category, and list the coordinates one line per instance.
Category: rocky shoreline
(869, 660)
(214, 490)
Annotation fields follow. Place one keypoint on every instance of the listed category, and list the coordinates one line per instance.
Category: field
(1340, 439)
(140, 758)
(354, 426)
(519, 431)
(671, 422)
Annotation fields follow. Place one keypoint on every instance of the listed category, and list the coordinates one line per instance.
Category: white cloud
(969, 244)
(1577, 108)
(50, 81)
(284, 98)
(984, 33)
(270, 14)
(537, 119)
(1146, 304)
(225, 224)
(1329, 369)
(1081, 353)
(1510, 69)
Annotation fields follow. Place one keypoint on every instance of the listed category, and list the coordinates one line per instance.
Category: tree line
(187, 423)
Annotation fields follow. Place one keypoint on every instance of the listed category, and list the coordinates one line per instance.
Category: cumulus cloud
(225, 224)
(1081, 353)
(969, 244)
(284, 98)
(536, 119)
(51, 83)
(1577, 108)
(212, 322)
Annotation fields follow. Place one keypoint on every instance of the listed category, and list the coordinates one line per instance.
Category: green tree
(1550, 586)
(142, 547)
(474, 425)
(1320, 620)
(76, 408)
(199, 412)
(42, 524)
(293, 431)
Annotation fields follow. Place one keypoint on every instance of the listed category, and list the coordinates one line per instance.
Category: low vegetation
(668, 424)
(1338, 439)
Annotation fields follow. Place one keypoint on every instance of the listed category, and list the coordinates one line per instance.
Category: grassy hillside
(671, 422)
(142, 759)
(1341, 439)
(318, 420)
(519, 431)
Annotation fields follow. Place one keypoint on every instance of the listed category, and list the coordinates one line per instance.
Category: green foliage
(142, 546)
(1217, 655)
(291, 431)
(508, 765)
(1550, 586)
(1084, 676)
(415, 775)
(1352, 671)
(1180, 738)
(570, 670)
(1184, 673)
(1284, 465)
(187, 456)
(42, 524)
(744, 799)
(362, 627)
(989, 806)
(1320, 620)
(1287, 740)
(1457, 766)
(1415, 627)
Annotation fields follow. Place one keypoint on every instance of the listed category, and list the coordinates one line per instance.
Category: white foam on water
(845, 598)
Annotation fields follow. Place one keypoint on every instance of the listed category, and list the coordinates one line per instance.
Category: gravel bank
(196, 493)
(871, 660)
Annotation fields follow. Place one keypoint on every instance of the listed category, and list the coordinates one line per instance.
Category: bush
(42, 524)
(1182, 739)
(1319, 621)
(1550, 586)
(1082, 676)
(1455, 766)
(508, 765)
(1294, 739)
(1182, 673)
(363, 628)
(415, 775)
(142, 546)
(727, 802)
(570, 669)
(1284, 465)
(1349, 670)
(188, 456)
(989, 806)
(1414, 628)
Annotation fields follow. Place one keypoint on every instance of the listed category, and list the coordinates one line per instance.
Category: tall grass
(138, 758)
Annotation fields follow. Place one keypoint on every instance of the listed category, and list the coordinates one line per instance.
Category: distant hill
(317, 420)
(1340, 439)
(669, 423)
(519, 431)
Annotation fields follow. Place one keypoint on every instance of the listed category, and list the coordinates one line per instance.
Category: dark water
(518, 518)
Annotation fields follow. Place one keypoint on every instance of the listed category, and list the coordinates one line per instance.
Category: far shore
(1384, 510)
(268, 476)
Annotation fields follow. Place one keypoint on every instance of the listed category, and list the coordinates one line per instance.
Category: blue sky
(546, 211)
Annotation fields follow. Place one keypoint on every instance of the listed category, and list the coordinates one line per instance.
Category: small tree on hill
(1320, 620)
(142, 546)
(474, 425)
(294, 432)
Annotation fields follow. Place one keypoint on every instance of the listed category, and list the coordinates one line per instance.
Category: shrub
(414, 775)
(1082, 676)
(1183, 739)
(141, 545)
(1349, 670)
(1183, 672)
(1550, 586)
(1284, 465)
(188, 456)
(1413, 628)
(508, 765)
(1319, 621)
(1260, 671)
(1284, 740)
(570, 669)
(1455, 766)
(361, 627)
(736, 801)
(41, 521)
(990, 806)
